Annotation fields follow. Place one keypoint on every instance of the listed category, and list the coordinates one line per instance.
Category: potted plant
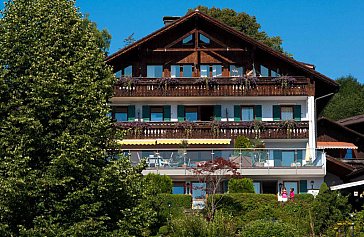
(289, 125)
(285, 81)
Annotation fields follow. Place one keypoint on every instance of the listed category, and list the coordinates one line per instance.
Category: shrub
(242, 142)
(196, 225)
(268, 228)
(243, 185)
(159, 183)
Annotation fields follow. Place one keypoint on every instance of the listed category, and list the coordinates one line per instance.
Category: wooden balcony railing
(188, 87)
(214, 129)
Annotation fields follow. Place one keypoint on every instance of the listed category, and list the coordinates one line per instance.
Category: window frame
(120, 109)
(286, 106)
(197, 111)
(155, 65)
(156, 107)
(241, 112)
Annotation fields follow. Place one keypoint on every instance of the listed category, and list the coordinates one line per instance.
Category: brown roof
(231, 30)
(326, 120)
(352, 120)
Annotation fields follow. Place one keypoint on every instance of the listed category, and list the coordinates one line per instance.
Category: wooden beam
(199, 49)
(180, 38)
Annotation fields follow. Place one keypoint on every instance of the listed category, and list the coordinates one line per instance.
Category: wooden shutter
(167, 113)
(258, 112)
(146, 113)
(131, 113)
(181, 113)
(276, 112)
(297, 112)
(303, 186)
(237, 113)
(217, 112)
(299, 156)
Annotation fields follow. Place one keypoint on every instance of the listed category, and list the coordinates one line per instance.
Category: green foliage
(349, 101)
(242, 142)
(158, 183)
(168, 206)
(268, 228)
(195, 225)
(129, 40)
(56, 177)
(243, 22)
(243, 185)
(328, 208)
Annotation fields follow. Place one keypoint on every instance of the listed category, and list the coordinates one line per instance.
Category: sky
(326, 33)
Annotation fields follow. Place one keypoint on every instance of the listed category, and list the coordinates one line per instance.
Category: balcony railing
(242, 158)
(214, 130)
(222, 86)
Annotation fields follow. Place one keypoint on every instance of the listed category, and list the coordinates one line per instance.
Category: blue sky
(329, 34)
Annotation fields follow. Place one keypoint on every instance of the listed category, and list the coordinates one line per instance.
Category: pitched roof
(333, 123)
(231, 30)
(352, 120)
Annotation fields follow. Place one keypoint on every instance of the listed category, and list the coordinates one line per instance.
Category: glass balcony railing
(243, 158)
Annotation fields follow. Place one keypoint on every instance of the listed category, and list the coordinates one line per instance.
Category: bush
(266, 228)
(243, 185)
(168, 206)
(159, 183)
(196, 225)
(242, 142)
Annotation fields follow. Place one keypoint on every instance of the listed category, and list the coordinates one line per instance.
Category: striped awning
(174, 141)
(195, 141)
(336, 145)
(137, 142)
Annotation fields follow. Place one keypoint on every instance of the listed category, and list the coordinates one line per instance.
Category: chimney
(170, 19)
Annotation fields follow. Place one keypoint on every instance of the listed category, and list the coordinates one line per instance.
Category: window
(191, 113)
(247, 113)
(118, 74)
(187, 70)
(120, 114)
(236, 71)
(178, 188)
(204, 39)
(128, 71)
(154, 71)
(175, 70)
(156, 114)
(291, 184)
(274, 73)
(264, 71)
(288, 158)
(286, 112)
(216, 70)
(188, 40)
(257, 187)
(205, 70)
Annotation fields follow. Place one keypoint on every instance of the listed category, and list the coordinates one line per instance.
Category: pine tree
(54, 132)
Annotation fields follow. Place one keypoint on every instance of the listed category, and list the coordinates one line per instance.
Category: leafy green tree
(349, 101)
(56, 176)
(158, 183)
(243, 22)
(129, 40)
(243, 185)
(328, 208)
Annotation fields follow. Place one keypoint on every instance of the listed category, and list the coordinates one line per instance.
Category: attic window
(188, 40)
(204, 39)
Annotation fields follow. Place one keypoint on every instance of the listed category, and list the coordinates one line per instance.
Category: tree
(243, 22)
(56, 175)
(349, 101)
(129, 40)
(328, 208)
(212, 173)
(103, 37)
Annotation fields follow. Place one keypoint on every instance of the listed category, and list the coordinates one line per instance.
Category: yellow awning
(137, 142)
(194, 141)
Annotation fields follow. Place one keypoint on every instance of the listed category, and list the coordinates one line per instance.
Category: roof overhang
(336, 145)
(347, 185)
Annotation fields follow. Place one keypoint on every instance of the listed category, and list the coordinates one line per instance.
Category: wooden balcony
(214, 130)
(190, 87)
